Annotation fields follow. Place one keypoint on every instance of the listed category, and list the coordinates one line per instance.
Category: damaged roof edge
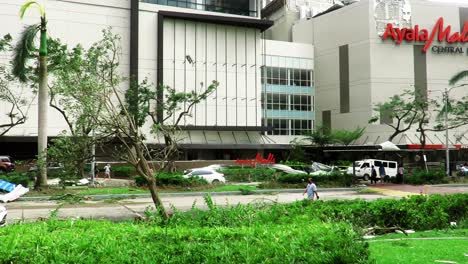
(272, 7)
(334, 7)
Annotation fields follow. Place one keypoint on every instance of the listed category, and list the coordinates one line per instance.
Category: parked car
(215, 167)
(209, 175)
(7, 164)
(286, 169)
(363, 168)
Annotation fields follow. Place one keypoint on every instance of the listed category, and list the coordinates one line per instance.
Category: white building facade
(185, 45)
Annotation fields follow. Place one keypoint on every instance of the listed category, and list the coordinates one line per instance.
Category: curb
(450, 185)
(98, 197)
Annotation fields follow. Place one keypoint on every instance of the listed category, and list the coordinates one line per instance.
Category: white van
(364, 167)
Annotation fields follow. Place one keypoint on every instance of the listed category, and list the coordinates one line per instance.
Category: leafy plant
(16, 178)
(420, 176)
(248, 174)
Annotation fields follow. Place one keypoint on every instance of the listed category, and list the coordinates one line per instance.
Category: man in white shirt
(311, 190)
(107, 170)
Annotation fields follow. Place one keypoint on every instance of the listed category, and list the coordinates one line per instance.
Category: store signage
(439, 32)
(258, 160)
(448, 50)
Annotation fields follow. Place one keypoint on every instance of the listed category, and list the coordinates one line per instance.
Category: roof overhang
(261, 24)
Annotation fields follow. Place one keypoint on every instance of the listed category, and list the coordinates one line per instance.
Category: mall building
(265, 97)
(355, 68)
(284, 66)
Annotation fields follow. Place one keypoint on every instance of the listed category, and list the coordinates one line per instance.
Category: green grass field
(421, 247)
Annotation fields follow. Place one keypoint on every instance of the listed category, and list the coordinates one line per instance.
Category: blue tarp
(7, 186)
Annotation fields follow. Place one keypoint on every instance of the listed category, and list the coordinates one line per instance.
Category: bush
(335, 178)
(172, 179)
(422, 177)
(293, 178)
(16, 178)
(123, 171)
(242, 175)
(293, 163)
(416, 212)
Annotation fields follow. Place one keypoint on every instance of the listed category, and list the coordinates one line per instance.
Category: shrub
(335, 178)
(293, 178)
(16, 178)
(172, 179)
(422, 177)
(123, 171)
(293, 163)
(244, 175)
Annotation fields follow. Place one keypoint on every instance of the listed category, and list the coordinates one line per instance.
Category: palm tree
(23, 52)
(458, 77)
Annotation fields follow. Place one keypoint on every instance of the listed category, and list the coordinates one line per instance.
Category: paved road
(127, 209)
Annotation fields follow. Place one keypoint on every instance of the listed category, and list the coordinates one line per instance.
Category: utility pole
(447, 152)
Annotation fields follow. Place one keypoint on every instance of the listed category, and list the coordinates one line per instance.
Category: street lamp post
(447, 151)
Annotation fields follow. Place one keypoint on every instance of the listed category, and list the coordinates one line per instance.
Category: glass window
(283, 76)
(392, 165)
(377, 163)
(283, 102)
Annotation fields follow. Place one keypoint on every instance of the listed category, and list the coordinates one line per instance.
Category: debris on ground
(14, 191)
(376, 230)
(3, 215)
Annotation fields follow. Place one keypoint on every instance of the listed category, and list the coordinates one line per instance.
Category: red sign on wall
(443, 33)
(258, 160)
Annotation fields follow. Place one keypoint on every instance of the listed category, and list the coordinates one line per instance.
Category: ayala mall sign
(439, 32)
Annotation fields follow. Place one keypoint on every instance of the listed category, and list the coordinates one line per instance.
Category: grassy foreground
(105, 242)
(421, 247)
(301, 232)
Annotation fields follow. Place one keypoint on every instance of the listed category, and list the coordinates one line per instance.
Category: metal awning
(200, 139)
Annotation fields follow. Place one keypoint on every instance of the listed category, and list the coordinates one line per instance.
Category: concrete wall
(74, 22)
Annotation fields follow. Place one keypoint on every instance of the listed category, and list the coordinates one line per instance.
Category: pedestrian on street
(382, 172)
(373, 178)
(401, 171)
(311, 190)
(107, 170)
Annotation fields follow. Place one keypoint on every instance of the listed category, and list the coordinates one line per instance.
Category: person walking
(107, 170)
(382, 172)
(373, 178)
(401, 172)
(311, 190)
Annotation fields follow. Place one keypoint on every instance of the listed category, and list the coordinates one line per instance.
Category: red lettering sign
(258, 160)
(417, 35)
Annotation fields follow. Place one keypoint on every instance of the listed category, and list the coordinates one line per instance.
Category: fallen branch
(383, 230)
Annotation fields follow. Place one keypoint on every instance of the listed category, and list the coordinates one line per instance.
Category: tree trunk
(147, 172)
(156, 200)
(42, 120)
(81, 172)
